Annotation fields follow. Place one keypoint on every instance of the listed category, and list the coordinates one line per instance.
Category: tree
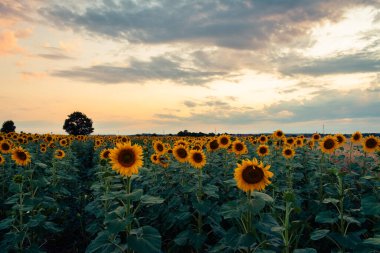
(8, 126)
(78, 123)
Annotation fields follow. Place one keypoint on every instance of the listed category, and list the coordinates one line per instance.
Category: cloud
(8, 43)
(229, 24)
(158, 68)
(56, 56)
(33, 75)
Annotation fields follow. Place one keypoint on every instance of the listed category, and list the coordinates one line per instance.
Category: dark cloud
(55, 56)
(346, 64)
(231, 24)
(158, 68)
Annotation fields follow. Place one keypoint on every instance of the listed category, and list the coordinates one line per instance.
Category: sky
(163, 66)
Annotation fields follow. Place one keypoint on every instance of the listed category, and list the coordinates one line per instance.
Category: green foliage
(8, 127)
(78, 123)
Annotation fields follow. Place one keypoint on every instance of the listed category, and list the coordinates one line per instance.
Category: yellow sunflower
(126, 159)
(290, 141)
(278, 134)
(6, 146)
(20, 156)
(224, 141)
(181, 153)
(356, 137)
(163, 160)
(197, 159)
(159, 147)
(59, 154)
(341, 140)
(288, 152)
(63, 142)
(43, 149)
(263, 139)
(262, 150)
(370, 144)
(154, 159)
(212, 145)
(311, 144)
(105, 154)
(239, 147)
(299, 142)
(2, 160)
(316, 137)
(251, 175)
(328, 144)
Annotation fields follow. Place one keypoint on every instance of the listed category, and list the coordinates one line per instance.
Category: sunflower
(224, 141)
(262, 150)
(63, 142)
(370, 144)
(2, 160)
(356, 137)
(316, 137)
(341, 140)
(154, 159)
(263, 139)
(181, 142)
(126, 159)
(251, 175)
(299, 142)
(197, 159)
(288, 152)
(311, 144)
(43, 149)
(290, 141)
(181, 153)
(159, 147)
(163, 160)
(5, 146)
(212, 145)
(105, 154)
(59, 154)
(239, 147)
(278, 134)
(21, 156)
(328, 144)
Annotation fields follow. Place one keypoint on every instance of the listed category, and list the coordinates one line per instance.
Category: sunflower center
(239, 147)
(126, 157)
(339, 139)
(262, 150)
(329, 144)
(288, 152)
(252, 175)
(224, 140)
(106, 154)
(197, 157)
(371, 143)
(356, 137)
(5, 146)
(316, 137)
(182, 153)
(159, 147)
(279, 134)
(59, 153)
(21, 155)
(214, 144)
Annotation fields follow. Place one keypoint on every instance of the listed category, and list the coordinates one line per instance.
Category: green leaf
(330, 200)
(262, 196)
(117, 225)
(319, 234)
(374, 242)
(370, 205)
(52, 227)
(236, 240)
(229, 210)
(211, 190)
(42, 165)
(6, 223)
(326, 217)
(350, 219)
(151, 200)
(146, 239)
(305, 250)
(182, 238)
(197, 240)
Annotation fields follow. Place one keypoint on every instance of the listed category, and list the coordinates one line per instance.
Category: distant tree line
(194, 134)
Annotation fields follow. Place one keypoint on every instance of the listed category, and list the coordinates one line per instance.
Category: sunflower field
(144, 194)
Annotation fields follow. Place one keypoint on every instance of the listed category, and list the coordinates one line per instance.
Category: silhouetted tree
(78, 123)
(8, 126)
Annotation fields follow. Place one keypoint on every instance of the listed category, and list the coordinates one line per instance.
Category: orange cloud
(8, 43)
(33, 75)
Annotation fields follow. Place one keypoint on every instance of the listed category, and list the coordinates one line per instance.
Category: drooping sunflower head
(262, 150)
(356, 137)
(341, 140)
(159, 147)
(59, 154)
(181, 153)
(5, 146)
(251, 175)
(278, 134)
(2, 160)
(316, 137)
(197, 159)
(239, 147)
(126, 159)
(105, 154)
(370, 144)
(288, 152)
(20, 156)
(328, 144)
(212, 145)
(224, 141)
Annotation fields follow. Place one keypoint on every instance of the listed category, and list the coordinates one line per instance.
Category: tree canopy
(8, 126)
(78, 123)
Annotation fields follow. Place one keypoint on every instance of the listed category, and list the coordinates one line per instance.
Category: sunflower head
(59, 154)
(126, 159)
(105, 154)
(6, 146)
(278, 134)
(288, 152)
(341, 140)
(328, 144)
(197, 159)
(263, 150)
(263, 139)
(21, 156)
(163, 160)
(316, 137)
(159, 147)
(356, 137)
(2, 160)
(181, 153)
(251, 175)
(213, 145)
(370, 144)
(239, 147)
(64, 142)
(224, 141)
(154, 159)
(299, 142)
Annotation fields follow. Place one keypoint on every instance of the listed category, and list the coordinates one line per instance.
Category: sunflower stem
(129, 226)
(321, 162)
